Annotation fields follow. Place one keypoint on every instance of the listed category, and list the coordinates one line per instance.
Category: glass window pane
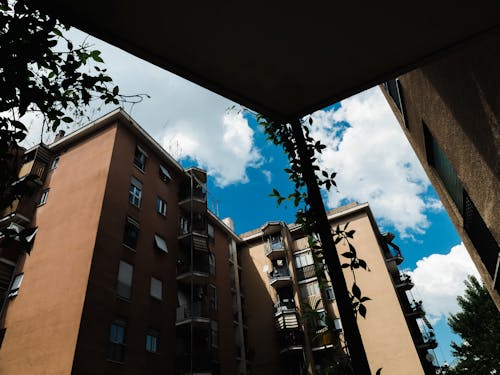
(156, 288)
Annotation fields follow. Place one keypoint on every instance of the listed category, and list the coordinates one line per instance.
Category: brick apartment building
(129, 272)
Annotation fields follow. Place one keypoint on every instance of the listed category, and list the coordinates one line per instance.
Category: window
(212, 296)
(437, 158)
(156, 288)
(329, 293)
(337, 323)
(124, 288)
(160, 243)
(135, 192)
(153, 341)
(164, 174)
(55, 163)
(140, 158)
(304, 259)
(16, 283)
(161, 206)
(211, 232)
(214, 333)
(116, 349)
(43, 198)
(131, 233)
(211, 263)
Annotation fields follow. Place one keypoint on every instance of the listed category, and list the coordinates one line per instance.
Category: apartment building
(297, 328)
(449, 110)
(129, 271)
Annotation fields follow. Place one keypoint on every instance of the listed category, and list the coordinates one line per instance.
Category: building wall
(259, 308)
(142, 312)
(458, 98)
(43, 319)
(384, 332)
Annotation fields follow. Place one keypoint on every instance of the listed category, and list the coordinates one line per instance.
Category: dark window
(135, 192)
(43, 198)
(131, 233)
(393, 88)
(153, 341)
(16, 284)
(116, 349)
(55, 163)
(212, 294)
(443, 167)
(124, 287)
(140, 158)
(214, 333)
(165, 174)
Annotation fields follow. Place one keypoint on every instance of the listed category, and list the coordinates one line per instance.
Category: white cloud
(268, 175)
(189, 120)
(374, 162)
(439, 279)
(226, 148)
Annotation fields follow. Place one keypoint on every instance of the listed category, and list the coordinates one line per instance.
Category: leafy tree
(478, 324)
(42, 72)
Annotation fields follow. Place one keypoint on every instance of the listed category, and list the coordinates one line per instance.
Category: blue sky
(199, 128)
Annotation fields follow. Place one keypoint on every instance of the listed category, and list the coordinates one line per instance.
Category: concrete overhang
(283, 59)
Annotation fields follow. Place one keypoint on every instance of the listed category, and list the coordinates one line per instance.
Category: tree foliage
(42, 72)
(478, 324)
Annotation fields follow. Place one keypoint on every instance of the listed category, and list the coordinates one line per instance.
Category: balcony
(428, 342)
(395, 256)
(196, 203)
(279, 277)
(275, 249)
(196, 226)
(290, 339)
(196, 312)
(306, 272)
(416, 310)
(404, 282)
(198, 271)
(285, 306)
(324, 340)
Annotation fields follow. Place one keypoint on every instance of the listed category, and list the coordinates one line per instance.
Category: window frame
(152, 293)
(161, 206)
(121, 280)
(165, 175)
(15, 285)
(55, 163)
(117, 340)
(135, 198)
(153, 345)
(141, 159)
(212, 297)
(44, 197)
(130, 223)
(214, 333)
(158, 242)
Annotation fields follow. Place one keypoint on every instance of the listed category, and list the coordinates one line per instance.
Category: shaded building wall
(458, 99)
(43, 319)
(262, 339)
(142, 312)
(385, 335)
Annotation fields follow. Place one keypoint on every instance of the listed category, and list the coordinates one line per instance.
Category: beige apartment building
(129, 272)
(449, 110)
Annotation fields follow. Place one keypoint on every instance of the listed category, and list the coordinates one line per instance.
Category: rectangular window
(437, 158)
(164, 174)
(116, 349)
(211, 263)
(160, 244)
(140, 158)
(211, 232)
(43, 198)
(304, 259)
(131, 233)
(214, 333)
(16, 284)
(153, 341)
(55, 163)
(212, 296)
(156, 288)
(135, 192)
(124, 287)
(161, 206)
(330, 294)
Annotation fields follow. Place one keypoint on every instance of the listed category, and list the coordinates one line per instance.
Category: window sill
(41, 204)
(143, 171)
(130, 248)
(124, 299)
(115, 361)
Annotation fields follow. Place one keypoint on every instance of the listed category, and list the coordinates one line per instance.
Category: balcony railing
(280, 276)
(290, 338)
(275, 249)
(416, 310)
(404, 282)
(428, 341)
(197, 311)
(285, 306)
(306, 272)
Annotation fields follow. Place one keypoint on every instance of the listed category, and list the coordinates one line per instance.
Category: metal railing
(194, 310)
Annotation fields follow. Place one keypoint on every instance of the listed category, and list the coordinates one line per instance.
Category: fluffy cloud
(189, 121)
(374, 161)
(439, 279)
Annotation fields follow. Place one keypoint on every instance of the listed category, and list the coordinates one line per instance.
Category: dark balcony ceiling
(283, 59)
